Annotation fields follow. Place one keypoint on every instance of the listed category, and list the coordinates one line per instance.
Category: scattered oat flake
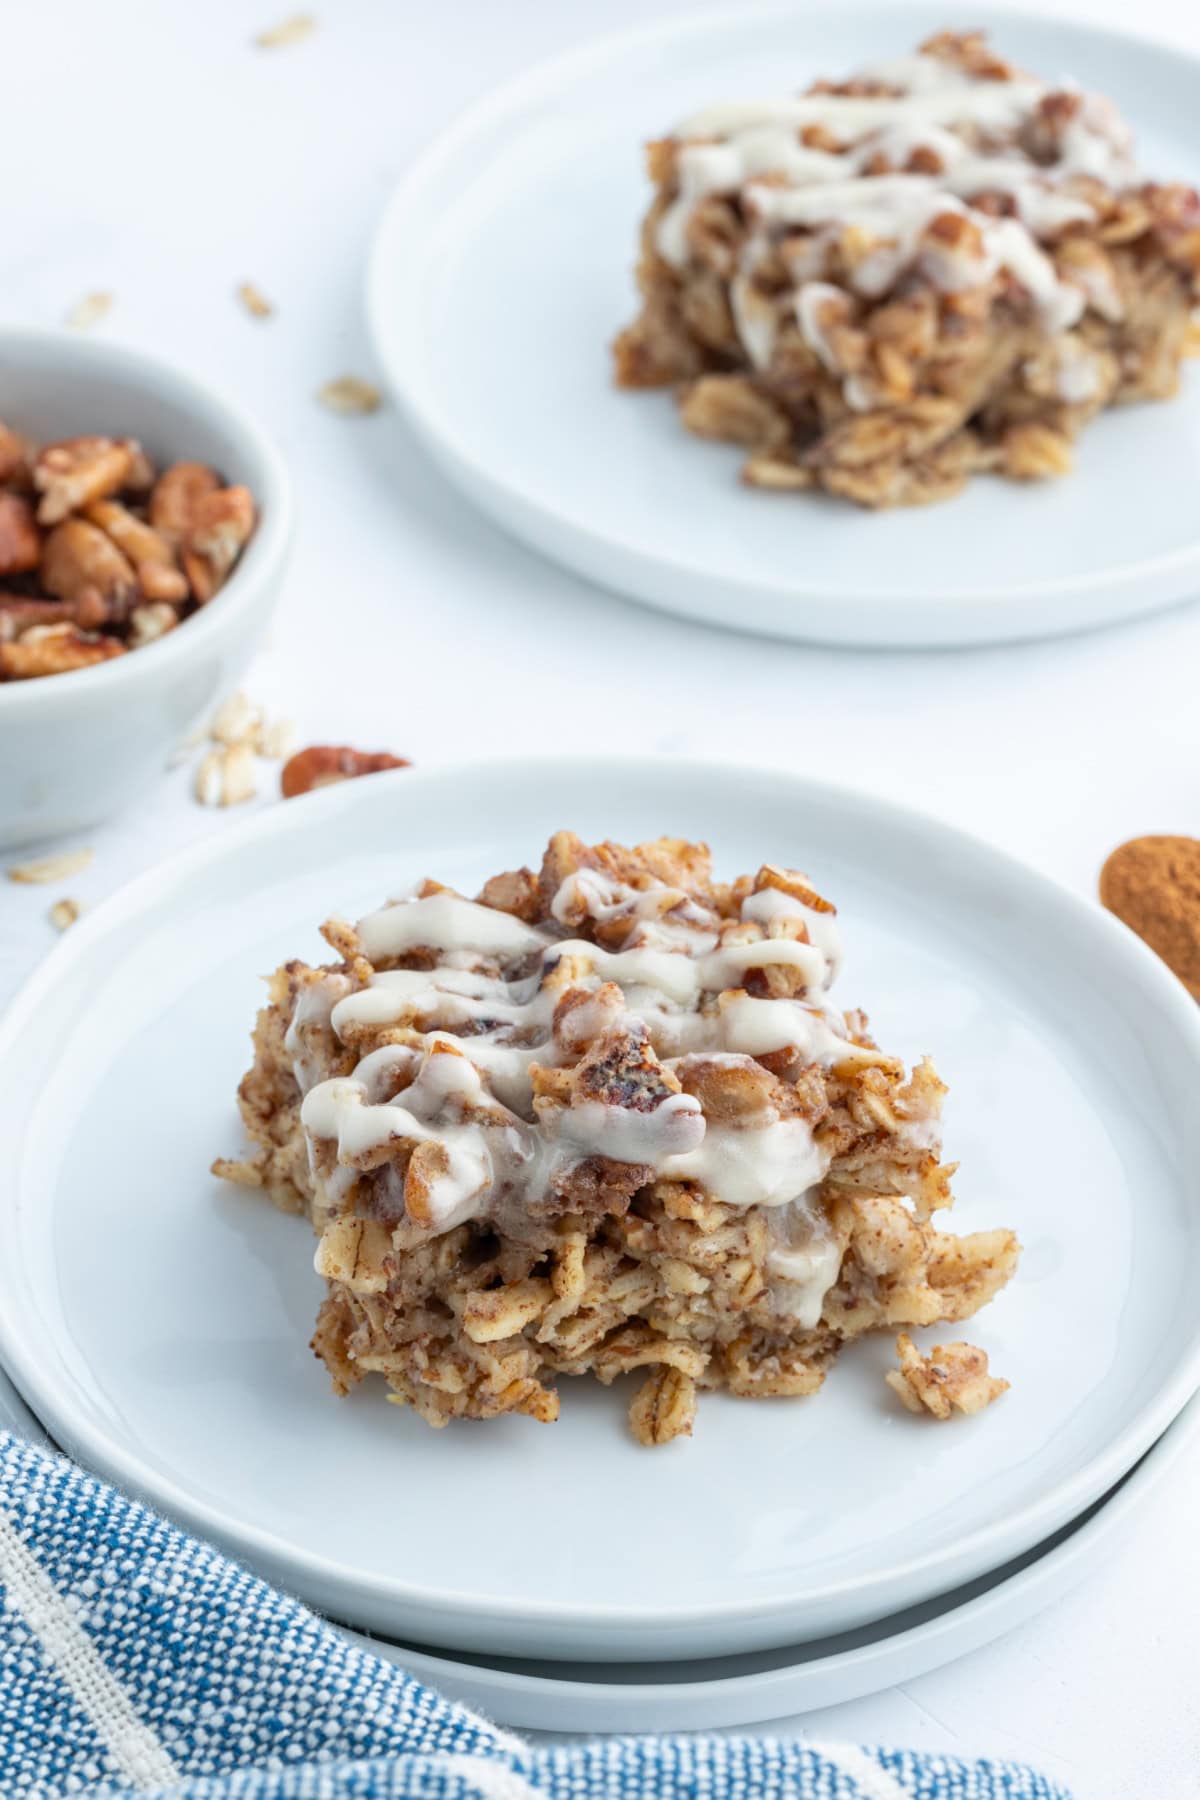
(207, 784)
(277, 740)
(226, 777)
(238, 780)
(288, 31)
(235, 721)
(65, 912)
(89, 311)
(349, 395)
(51, 868)
(256, 304)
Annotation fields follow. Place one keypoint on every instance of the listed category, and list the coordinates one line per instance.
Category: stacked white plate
(793, 1553)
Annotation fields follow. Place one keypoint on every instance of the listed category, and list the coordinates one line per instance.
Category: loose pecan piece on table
(321, 764)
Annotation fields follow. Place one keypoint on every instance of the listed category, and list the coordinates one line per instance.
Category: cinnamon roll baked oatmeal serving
(599, 1119)
(882, 286)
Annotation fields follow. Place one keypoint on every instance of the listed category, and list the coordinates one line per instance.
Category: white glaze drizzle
(971, 125)
(461, 1076)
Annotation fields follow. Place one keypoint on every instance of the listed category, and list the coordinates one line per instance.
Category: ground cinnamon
(1153, 884)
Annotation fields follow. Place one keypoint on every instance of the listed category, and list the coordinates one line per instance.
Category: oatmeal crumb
(289, 31)
(952, 1375)
(89, 311)
(64, 912)
(51, 868)
(350, 396)
(255, 303)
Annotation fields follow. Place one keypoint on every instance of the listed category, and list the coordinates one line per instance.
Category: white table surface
(157, 155)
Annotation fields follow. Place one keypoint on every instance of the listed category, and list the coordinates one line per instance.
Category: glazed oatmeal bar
(940, 267)
(601, 1119)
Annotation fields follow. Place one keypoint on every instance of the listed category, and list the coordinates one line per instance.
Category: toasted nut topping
(89, 311)
(64, 912)
(146, 623)
(236, 721)
(177, 493)
(80, 560)
(289, 31)
(18, 615)
(70, 474)
(15, 457)
(350, 396)
(149, 551)
(93, 557)
(221, 525)
(256, 304)
(55, 650)
(20, 539)
(321, 764)
(51, 868)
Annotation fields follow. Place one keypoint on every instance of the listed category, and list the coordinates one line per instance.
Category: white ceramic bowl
(75, 748)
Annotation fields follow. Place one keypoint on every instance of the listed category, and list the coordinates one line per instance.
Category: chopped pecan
(147, 623)
(71, 474)
(14, 457)
(148, 550)
(176, 495)
(221, 525)
(320, 764)
(80, 563)
(18, 613)
(515, 891)
(55, 650)
(20, 539)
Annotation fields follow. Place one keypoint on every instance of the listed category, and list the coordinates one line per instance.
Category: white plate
(158, 1323)
(773, 1684)
(502, 269)
(16, 1417)
(778, 1684)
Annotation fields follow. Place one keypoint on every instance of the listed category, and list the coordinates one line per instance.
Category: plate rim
(103, 1449)
(501, 495)
(1053, 1567)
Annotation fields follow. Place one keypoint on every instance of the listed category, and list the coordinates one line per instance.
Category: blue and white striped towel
(135, 1660)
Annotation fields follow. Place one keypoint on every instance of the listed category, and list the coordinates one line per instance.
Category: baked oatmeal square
(940, 267)
(602, 1118)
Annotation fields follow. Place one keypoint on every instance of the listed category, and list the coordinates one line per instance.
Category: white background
(156, 154)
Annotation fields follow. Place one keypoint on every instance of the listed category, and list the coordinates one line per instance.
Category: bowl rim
(264, 556)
